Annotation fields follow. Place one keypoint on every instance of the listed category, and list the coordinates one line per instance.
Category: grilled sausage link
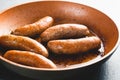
(29, 58)
(23, 43)
(34, 28)
(74, 46)
(64, 31)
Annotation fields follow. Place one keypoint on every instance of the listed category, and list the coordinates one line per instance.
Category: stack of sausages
(65, 39)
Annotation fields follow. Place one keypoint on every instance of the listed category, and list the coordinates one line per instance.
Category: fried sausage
(74, 46)
(34, 28)
(38, 39)
(23, 43)
(64, 31)
(29, 58)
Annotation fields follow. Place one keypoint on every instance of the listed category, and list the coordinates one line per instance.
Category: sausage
(38, 39)
(74, 46)
(35, 28)
(29, 58)
(64, 31)
(23, 43)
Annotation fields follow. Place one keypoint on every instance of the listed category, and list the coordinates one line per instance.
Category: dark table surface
(110, 70)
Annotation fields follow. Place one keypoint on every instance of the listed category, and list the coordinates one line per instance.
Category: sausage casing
(64, 31)
(29, 58)
(23, 43)
(34, 28)
(74, 46)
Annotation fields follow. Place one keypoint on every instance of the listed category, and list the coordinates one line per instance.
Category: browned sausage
(29, 58)
(23, 43)
(34, 28)
(38, 39)
(64, 31)
(74, 46)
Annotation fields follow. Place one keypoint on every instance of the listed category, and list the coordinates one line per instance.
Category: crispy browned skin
(29, 58)
(34, 28)
(23, 43)
(64, 31)
(74, 46)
